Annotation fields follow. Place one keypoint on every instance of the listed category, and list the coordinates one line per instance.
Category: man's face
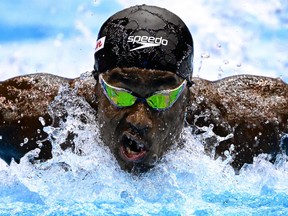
(139, 135)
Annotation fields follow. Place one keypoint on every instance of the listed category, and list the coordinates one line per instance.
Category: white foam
(186, 180)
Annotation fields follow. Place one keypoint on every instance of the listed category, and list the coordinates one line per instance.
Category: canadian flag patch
(100, 44)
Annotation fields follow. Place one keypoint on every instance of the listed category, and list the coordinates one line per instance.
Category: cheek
(175, 121)
(166, 131)
(108, 117)
(170, 123)
(174, 117)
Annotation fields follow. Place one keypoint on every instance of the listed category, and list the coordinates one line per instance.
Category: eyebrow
(155, 82)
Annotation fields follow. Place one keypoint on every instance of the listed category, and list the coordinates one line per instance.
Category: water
(186, 181)
(88, 181)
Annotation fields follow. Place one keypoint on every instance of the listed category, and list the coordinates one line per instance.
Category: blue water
(229, 39)
(185, 182)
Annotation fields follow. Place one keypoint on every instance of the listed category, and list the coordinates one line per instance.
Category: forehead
(142, 80)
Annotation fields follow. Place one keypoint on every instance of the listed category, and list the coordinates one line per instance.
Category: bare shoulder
(248, 112)
(245, 96)
(24, 111)
(29, 94)
(260, 85)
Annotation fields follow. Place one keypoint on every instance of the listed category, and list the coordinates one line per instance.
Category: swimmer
(143, 94)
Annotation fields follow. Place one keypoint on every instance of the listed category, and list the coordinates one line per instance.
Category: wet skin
(252, 110)
(139, 135)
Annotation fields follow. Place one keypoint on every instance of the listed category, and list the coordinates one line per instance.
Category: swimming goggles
(159, 100)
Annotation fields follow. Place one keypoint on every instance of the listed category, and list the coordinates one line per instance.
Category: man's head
(143, 64)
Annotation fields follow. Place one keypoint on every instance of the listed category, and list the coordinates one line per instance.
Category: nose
(139, 117)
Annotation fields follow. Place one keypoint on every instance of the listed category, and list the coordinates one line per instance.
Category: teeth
(140, 146)
(129, 151)
(132, 147)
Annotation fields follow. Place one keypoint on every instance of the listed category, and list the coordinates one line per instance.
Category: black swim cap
(145, 37)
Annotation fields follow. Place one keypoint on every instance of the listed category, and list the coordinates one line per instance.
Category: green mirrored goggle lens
(119, 97)
(165, 99)
(124, 98)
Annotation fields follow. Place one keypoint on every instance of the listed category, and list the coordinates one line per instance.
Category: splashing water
(86, 179)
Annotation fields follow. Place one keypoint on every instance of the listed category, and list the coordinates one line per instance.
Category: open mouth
(132, 149)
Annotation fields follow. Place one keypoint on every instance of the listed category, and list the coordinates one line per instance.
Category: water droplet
(219, 45)
(25, 142)
(220, 72)
(205, 55)
(232, 148)
(39, 143)
(227, 153)
(42, 120)
(225, 61)
(239, 65)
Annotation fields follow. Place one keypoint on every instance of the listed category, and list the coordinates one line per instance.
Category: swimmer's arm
(253, 109)
(24, 104)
